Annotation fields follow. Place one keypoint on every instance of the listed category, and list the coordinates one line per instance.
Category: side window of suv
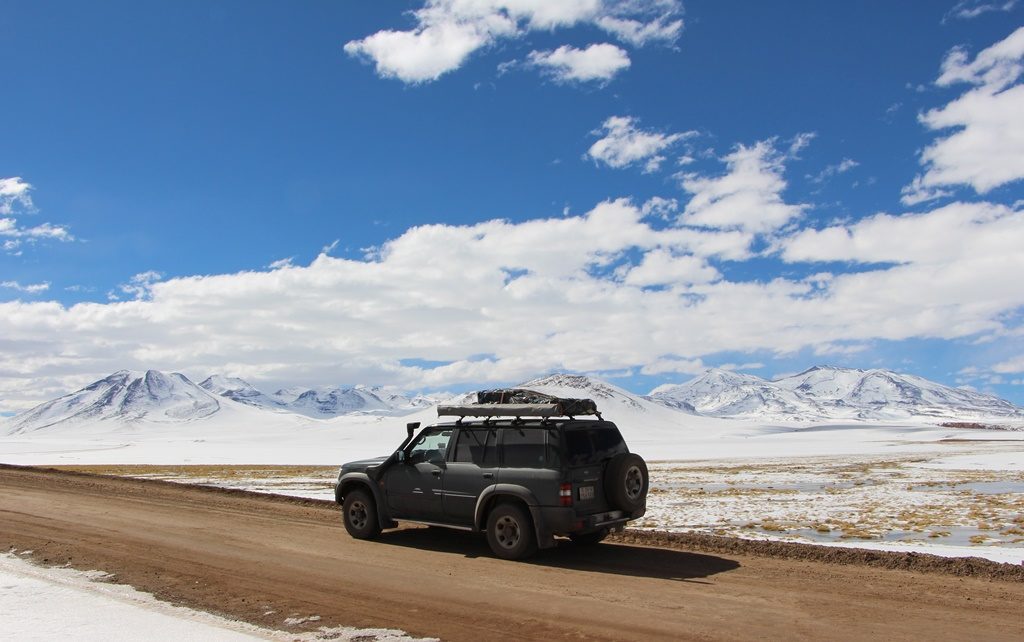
(477, 447)
(430, 446)
(529, 448)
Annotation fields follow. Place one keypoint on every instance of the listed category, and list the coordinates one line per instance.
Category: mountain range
(828, 393)
(819, 394)
(319, 403)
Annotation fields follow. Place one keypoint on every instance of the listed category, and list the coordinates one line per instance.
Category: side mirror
(401, 456)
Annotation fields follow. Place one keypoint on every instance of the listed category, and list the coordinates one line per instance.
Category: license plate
(586, 492)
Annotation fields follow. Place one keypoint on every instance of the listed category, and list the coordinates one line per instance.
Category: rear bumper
(553, 521)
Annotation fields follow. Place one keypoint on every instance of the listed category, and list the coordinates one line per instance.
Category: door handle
(488, 475)
(435, 473)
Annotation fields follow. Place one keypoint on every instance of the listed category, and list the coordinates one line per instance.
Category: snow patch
(90, 611)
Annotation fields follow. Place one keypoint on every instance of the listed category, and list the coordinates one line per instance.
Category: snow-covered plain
(82, 606)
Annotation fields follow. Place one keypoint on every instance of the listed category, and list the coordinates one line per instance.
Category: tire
(589, 539)
(360, 514)
(626, 482)
(510, 532)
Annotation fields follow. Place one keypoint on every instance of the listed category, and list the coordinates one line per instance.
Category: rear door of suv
(588, 448)
(472, 467)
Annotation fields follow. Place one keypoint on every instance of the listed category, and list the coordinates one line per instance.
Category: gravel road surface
(267, 559)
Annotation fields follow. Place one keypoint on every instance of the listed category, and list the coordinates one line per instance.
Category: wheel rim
(634, 482)
(357, 515)
(507, 532)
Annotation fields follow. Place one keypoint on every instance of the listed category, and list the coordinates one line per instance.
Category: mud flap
(545, 538)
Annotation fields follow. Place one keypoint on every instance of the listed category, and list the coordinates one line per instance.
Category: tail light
(565, 495)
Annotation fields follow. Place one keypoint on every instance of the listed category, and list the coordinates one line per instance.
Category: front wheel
(510, 532)
(360, 513)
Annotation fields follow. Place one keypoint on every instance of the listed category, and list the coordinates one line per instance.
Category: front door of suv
(472, 467)
(414, 486)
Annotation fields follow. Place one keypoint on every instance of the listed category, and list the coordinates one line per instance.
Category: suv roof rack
(518, 403)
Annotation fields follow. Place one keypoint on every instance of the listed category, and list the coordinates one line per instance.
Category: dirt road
(264, 559)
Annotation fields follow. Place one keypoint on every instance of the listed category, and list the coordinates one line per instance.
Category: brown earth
(265, 558)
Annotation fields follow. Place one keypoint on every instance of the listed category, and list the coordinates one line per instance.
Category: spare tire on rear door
(625, 482)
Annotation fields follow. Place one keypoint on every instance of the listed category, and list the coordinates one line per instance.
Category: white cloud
(14, 192)
(955, 231)
(969, 9)
(447, 32)
(673, 365)
(30, 288)
(661, 267)
(800, 142)
(140, 286)
(15, 200)
(664, 208)
(841, 167)
(638, 33)
(748, 197)
(598, 62)
(623, 144)
(986, 148)
(9, 227)
(423, 54)
(1010, 366)
(513, 292)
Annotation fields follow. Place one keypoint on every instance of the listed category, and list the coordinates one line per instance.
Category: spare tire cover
(626, 482)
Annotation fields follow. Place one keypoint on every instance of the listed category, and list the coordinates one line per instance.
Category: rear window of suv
(592, 445)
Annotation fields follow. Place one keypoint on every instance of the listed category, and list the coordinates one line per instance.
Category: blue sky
(177, 175)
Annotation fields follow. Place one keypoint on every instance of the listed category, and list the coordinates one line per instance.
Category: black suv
(524, 474)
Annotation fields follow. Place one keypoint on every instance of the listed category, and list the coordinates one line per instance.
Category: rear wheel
(360, 513)
(510, 532)
(589, 539)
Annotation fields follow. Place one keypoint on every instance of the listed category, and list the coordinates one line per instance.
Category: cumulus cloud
(447, 32)
(661, 267)
(598, 62)
(139, 287)
(986, 148)
(747, 197)
(512, 292)
(14, 192)
(623, 143)
(955, 231)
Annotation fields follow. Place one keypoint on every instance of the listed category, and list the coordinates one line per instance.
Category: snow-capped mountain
(724, 393)
(127, 396)
(825, 393)
(319, 403)
(331, 402)
(883, 393)
(237, 390)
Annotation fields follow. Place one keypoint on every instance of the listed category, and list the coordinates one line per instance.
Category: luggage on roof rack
(517, 402)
